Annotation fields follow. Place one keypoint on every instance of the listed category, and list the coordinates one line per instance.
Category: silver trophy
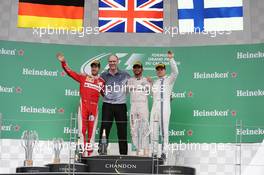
(28, 140)
(142, 132)
(155, 135)
(57, 147)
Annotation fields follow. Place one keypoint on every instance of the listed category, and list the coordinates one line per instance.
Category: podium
(111, 164)
(121, 164)
(33, 169)
(132, 164)
(64, 167)
(179, 170)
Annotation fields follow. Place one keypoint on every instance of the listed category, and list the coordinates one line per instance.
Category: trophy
(57, 147)
(28, 140)
(155, 135)
(142, 132)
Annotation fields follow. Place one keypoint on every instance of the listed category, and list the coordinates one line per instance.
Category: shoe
(85, 154)
(154, 156)
(163, 157)
(99, 149)
(146, 153)
(90, 153)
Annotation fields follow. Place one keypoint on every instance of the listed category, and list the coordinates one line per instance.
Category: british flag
(131, 16)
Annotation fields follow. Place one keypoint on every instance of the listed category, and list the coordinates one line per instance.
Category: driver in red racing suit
(90, 88)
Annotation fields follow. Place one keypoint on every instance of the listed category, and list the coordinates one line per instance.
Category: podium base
(64, 167)
(32, 169)
(110, 165)
(121, 164)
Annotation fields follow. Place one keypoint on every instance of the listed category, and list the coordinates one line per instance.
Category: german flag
(56, 14)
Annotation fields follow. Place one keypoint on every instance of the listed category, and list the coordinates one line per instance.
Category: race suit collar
(165, 76)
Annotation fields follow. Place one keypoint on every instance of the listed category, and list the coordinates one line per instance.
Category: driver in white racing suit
(139, 89)
(161, 109)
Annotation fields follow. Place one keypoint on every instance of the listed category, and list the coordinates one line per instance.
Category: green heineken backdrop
(217, 86)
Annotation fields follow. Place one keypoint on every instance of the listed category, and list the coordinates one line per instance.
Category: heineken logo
(178, 94)
(67, 130)
(40, 110)
(250, 93)
(211, 113)
(5, 89)
(178, 133)
(4, 51)
(208, 75)
(250, 132)
(72, 92)
(250, 55)
(36, 72)
(173, 132)
(6, 127)
(214, 113)
(181, 94)
(10, 127)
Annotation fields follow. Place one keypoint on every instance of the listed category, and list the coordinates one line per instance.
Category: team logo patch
(91, 118)
(89, 79)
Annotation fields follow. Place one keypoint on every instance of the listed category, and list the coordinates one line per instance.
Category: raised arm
(174, 68)
(70, 72)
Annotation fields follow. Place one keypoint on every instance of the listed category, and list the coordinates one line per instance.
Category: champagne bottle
(104, 144)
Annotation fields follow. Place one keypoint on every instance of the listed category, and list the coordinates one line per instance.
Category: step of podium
(121, 164)
(64, 167)
(179, 170)
(111, 164)
(32, 169)
(133, 164)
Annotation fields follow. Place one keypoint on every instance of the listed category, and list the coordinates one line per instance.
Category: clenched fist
(170, 54)
(60, 57)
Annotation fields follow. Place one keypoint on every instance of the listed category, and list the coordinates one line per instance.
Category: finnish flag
(210, 15)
